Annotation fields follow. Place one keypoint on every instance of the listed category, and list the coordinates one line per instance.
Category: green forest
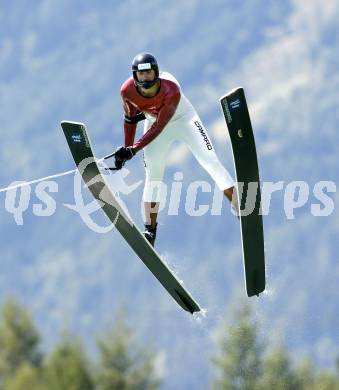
(242, 359)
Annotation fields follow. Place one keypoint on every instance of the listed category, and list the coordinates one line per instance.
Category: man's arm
(165, 114)
(131, 118)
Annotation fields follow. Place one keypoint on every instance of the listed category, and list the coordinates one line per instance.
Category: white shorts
(190, 130)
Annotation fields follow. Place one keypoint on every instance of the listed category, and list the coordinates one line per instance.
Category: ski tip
(230, 93)
(64, 122)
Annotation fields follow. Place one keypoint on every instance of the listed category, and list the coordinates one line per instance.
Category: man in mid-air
(156, 97)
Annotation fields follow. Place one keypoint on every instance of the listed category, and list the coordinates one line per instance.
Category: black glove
(118, 164)
(124, 154)
(121, 155)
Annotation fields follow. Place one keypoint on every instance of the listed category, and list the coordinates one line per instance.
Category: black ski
(238, 121)
(79, 144)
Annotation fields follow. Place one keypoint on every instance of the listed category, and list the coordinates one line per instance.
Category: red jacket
(162, 106)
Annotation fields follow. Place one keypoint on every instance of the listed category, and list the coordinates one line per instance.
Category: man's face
(146, 75)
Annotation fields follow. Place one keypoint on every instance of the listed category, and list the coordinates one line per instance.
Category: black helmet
(145, 61)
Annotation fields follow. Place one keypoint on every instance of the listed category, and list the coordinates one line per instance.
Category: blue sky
(60, 61)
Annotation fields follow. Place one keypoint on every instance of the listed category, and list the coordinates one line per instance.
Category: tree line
(241, 360)
(122, 363)
(245, 361)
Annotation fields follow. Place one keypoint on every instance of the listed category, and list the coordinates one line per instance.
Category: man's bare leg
(151, 213)
(231, 195)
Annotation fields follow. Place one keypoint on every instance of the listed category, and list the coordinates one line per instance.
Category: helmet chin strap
(147, 84)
